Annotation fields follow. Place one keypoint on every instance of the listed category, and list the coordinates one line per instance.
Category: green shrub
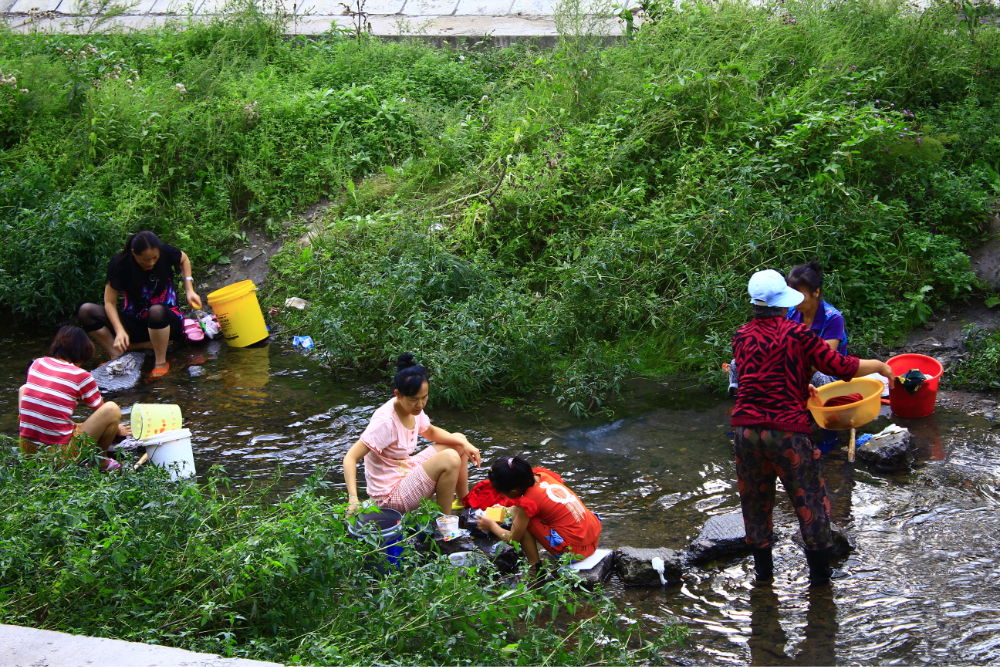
(56, 246)
(249, 573)
(523, 216)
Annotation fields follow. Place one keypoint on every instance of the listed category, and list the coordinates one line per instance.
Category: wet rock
(722, 535)
(596, 572)
(116, 384)
(506, 559)
(635, 567)
(195, 371)
(842, 538)
(889, 451)
(463, 543)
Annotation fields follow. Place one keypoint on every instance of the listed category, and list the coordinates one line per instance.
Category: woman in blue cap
(771, 422)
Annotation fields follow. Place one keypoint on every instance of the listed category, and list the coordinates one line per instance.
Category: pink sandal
(193, 331)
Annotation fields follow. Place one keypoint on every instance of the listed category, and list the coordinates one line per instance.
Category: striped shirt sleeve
(89, 393)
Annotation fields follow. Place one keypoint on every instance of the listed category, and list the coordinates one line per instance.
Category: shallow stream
(923, 585)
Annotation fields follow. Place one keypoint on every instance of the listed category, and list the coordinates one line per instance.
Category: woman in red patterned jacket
(771, 422)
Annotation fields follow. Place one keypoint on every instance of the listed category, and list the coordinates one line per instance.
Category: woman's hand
(472, 453)
(486, 524)
(121, 341)
(124, 430)
(887, 373)
(193, 299)
(353, 506)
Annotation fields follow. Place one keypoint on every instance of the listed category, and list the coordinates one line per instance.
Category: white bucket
(172, 450)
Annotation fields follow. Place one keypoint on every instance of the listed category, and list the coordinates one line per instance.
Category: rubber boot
(763, 564)
(820, 571)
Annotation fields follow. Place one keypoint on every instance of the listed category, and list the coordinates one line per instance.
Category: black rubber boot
(763, 564)
(820, 571)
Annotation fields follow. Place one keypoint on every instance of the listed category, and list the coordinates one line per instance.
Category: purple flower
(919, 141)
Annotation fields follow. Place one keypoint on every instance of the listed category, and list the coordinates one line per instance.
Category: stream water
(923, 585)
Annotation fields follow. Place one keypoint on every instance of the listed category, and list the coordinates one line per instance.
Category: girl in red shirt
(544, 511)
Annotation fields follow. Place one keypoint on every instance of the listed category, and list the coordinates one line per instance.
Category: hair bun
(816, 266)
(405, 361)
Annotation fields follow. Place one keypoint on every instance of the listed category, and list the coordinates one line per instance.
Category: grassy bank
(132, 556)
(522, 219)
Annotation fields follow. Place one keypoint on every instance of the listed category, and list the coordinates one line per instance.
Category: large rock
(117, 384)
(635, 566)
(722, 535)
(892, 451)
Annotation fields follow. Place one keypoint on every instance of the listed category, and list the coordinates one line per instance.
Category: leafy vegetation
(980, 370)
(528, 219)
(206, 567)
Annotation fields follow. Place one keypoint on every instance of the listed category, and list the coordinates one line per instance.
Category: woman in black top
(143, 274)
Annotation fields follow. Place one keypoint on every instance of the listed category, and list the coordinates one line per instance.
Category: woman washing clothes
(815, 313)
(55, 385)
(144, 274)
(776, 358)
(819, 316)
(395, 478)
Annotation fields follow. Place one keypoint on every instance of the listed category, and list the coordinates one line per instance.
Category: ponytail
(806, 275)
(139, 243)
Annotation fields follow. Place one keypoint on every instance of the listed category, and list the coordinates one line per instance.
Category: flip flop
(159, 372)
(112, 466)
(193, 331)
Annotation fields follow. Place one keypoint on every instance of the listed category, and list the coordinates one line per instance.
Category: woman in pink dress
(395, 478)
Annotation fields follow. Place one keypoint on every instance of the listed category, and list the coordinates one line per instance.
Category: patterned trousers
(763, 455)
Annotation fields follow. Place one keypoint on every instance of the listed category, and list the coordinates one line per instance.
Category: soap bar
(497, 513)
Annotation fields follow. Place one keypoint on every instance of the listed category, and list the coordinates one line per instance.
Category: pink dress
(395, 479)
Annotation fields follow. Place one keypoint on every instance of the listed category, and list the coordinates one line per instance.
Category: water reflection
(768, 642)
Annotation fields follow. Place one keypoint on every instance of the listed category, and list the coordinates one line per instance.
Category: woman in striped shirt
(55, 385)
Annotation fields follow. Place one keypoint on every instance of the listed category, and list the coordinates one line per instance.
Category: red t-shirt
(550, 502)
(775, 357)
(53, 389)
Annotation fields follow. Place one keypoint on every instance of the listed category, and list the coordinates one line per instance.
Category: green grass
(522, 219)
(249, 573)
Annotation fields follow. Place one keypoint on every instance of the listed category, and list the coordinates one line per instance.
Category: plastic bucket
(921, 403)
(387, 524)
(172, 450)
(149, 419)
(238, 311)
(851, 415)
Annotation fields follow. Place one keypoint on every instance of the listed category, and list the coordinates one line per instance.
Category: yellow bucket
(851, 415)
(149, 419)
(239, 315)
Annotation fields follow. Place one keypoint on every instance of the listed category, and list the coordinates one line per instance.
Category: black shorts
(137, 328)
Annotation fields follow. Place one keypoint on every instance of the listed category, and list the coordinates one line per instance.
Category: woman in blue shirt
(819, 316)
(816, 314)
